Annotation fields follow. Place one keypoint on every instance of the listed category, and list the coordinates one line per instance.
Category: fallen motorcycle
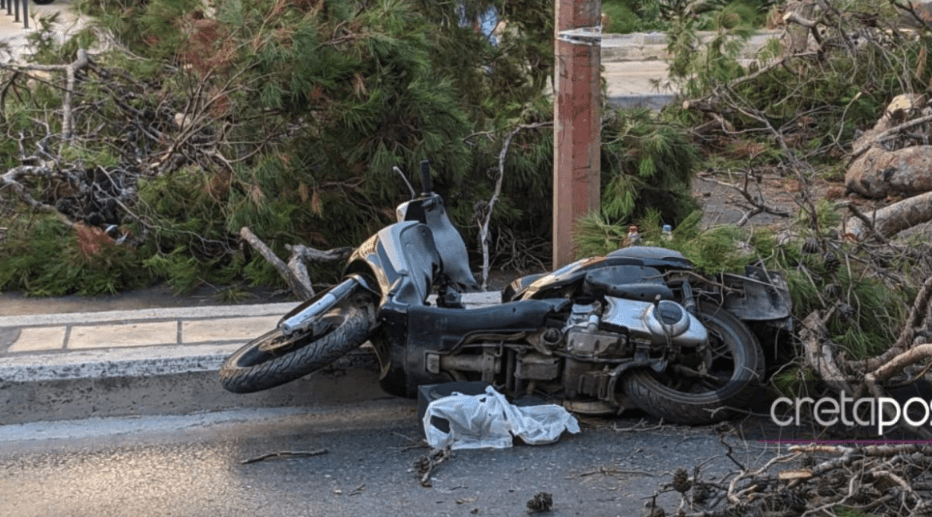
(635, 328)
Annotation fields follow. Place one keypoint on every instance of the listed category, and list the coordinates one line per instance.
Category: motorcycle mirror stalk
(425, 179)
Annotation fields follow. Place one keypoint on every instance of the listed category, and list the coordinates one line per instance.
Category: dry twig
(284, 454)
(426, 464)
(484, 213)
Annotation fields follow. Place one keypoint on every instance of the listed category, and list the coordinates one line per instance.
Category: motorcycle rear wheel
(255, 368)
(734, 359)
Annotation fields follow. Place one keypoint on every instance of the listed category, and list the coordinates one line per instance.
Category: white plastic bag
(489, 421)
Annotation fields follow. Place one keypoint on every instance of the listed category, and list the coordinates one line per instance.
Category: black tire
(738, 363)
(252, 369)
(42, 2)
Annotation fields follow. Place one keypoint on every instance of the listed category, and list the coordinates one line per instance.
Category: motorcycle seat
(428, 325)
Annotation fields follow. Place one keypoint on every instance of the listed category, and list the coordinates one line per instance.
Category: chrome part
(666, 318)
(486, 363)
(584, 316)
(401, 211)
(695, 334)
(328, 301)
(641, 320)
(408, 183)
(304, 318)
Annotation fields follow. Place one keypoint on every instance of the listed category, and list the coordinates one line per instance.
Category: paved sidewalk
(14, 34)
(176, 326)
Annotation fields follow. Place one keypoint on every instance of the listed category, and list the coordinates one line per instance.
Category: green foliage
(696, 67)
(190, 243)
(621, 19)
(314, 102)
(872, 311)
(43, 257)
(712, 251)
(89, 158)
(646, 164)
(793, 380)
(626, 16)
(817, 101)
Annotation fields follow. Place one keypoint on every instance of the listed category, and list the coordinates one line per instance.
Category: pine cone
(846, 311)
(422, 465)
(542, 502)
(681, 482)
(831, 262)
(832, 291)
(810, 246)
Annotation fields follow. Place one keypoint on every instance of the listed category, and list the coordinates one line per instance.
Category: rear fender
(759, 295)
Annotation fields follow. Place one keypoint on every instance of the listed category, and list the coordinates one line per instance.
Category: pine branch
(490, 206)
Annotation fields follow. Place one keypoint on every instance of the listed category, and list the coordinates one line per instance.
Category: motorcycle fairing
(442, 329)
(403, 357)
(518, 285)
(430, 210)
(654, 256)
(403, 259)
(577, 271)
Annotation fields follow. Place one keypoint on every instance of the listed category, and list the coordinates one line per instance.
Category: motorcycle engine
(585, 340)
(622, 329)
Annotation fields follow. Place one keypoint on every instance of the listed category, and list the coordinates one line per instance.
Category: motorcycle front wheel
(274, 359)
(706, 384)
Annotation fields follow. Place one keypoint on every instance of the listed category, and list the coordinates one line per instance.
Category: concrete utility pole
(577, 120)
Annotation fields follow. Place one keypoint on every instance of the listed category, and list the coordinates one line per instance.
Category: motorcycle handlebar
(425, 176)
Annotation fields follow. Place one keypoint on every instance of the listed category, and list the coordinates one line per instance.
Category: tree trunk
(879, 173)
(796, 39)
(891, 220)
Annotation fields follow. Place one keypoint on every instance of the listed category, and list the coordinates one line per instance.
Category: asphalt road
(191, 466)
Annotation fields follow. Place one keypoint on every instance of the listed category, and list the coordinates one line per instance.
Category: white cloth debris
(489, 421)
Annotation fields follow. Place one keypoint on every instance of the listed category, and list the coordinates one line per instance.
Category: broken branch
(284, 454)
(302, 290)
(486, 212)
